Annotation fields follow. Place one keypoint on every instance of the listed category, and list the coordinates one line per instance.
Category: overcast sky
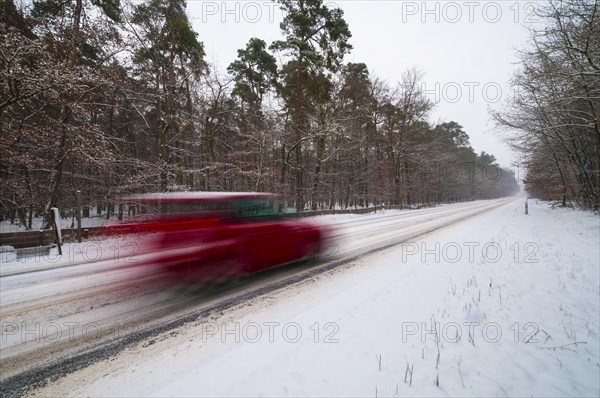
(465, 49)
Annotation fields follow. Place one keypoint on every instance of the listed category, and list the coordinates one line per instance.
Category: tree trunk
(315, 189)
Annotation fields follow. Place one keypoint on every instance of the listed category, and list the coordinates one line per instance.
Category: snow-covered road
(60, 307)
(363, 328)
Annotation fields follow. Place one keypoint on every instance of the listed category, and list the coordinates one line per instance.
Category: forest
(115, 97)
(553, 120)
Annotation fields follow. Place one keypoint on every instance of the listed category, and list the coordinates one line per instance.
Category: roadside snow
(514, 301)
(119, 249)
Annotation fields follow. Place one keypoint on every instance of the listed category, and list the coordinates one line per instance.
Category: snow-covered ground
(503, 304)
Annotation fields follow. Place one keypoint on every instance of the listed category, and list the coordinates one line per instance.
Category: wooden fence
(20, 240)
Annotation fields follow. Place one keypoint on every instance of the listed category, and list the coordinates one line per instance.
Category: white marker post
(56, 225)
(78, 209)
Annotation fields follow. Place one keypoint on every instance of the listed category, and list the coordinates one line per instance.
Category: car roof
(199, 196)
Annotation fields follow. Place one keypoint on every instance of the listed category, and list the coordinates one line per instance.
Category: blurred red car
(216, 236)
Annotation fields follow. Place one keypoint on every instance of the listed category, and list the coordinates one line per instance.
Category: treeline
(554, 118)
(112, 98)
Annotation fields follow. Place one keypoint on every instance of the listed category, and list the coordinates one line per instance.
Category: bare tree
(554, 118)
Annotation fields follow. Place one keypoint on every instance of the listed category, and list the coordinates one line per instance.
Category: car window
(169, 210)
(256, 209)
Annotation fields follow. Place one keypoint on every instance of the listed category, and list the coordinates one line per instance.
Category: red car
(216, 236)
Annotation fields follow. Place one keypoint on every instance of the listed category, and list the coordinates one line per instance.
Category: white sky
(466, 49)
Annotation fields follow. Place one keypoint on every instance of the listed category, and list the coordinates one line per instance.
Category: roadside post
(78, 205)
(56, 227)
